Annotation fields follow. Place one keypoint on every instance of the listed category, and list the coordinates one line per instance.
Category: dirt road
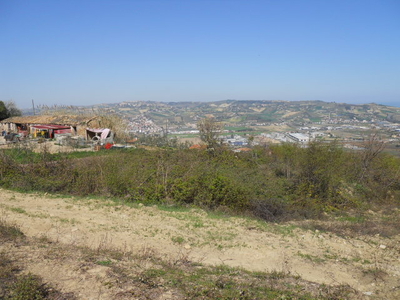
(368, 264)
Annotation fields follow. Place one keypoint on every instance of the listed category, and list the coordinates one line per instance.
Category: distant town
(255, 122)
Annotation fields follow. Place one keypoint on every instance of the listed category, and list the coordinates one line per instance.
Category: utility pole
(33, 107)
(166, 130)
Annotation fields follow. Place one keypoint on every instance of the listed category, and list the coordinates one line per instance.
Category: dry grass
(384, 222)
(145, 274)
(14, 284)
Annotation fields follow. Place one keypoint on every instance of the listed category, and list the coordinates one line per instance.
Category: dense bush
(273, 183)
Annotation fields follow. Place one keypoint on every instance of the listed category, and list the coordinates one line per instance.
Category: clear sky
(86, 52)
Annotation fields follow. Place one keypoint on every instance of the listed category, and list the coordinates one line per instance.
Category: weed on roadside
(18, 210)
(384, 223)
(178, 239)
(17, 286)
(28, 287)
(104, 262)
(312, 258)
(9, 232)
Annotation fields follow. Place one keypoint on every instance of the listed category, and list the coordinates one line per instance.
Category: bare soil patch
(370, 265)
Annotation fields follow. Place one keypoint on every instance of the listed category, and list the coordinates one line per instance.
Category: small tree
(12, 109)
(209, 130)
(3, 111)
(9, 109)
(373, 146)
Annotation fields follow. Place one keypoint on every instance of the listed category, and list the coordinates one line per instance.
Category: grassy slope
(144, 274)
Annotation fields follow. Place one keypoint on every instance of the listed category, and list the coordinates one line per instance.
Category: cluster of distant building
(289, 137)
(143, 125)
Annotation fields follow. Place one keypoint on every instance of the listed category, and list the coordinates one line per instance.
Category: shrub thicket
(273, 183)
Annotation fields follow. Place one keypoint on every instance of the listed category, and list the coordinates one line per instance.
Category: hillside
(59, 229)
(241, 111)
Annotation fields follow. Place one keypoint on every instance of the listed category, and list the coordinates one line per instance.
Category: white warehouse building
(299, 137)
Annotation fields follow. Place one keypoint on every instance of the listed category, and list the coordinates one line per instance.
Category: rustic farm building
(48, 126)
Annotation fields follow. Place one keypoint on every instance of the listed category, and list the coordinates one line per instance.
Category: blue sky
(87, 52)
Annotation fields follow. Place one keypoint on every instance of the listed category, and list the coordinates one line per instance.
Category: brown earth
(369, 264)
(45, 146)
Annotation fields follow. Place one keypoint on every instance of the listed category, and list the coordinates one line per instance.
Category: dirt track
(315, 256)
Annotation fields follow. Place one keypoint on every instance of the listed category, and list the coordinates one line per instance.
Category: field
(92, 248)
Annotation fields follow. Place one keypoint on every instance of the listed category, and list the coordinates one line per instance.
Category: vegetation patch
(14, 284)
(275, 184)
(384, 223)
(9, 232)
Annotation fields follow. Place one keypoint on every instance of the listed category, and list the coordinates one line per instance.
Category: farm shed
(101, 135)
(49, 131)
(48, 125)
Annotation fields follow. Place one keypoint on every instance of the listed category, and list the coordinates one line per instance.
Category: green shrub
(28, 287)
(307, 181)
